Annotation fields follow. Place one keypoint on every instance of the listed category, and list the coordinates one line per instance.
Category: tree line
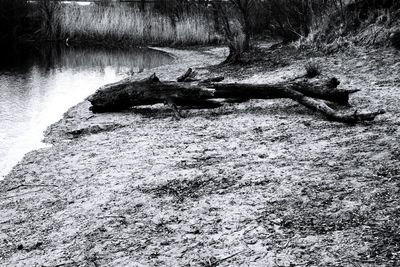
(237, 20)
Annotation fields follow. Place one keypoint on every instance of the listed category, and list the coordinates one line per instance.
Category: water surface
(38, 85)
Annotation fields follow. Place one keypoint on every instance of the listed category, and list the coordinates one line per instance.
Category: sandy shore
(262, 183)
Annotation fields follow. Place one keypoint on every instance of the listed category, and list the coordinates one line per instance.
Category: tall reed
(130, 25)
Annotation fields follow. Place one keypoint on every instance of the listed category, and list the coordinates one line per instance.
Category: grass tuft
(313, 69)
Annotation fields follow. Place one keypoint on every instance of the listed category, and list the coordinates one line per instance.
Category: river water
(38, 85)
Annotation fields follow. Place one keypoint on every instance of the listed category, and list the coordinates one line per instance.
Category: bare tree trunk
(243, 7)
(238, 39)
(246, 32)
(234, 44)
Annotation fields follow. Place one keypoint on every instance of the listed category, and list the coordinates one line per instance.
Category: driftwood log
(191, 92)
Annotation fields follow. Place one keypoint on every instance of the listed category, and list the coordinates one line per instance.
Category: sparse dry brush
(362, 22)
(313, 69)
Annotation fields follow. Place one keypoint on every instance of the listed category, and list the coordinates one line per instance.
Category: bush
(291, 19)
(313, 69)
(364, 22)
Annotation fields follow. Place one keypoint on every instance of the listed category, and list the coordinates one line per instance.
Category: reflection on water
(38, 86)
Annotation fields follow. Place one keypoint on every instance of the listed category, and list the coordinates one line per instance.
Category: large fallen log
(321, 89)
(126, 94)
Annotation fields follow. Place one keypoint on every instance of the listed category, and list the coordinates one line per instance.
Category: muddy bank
(262, 183)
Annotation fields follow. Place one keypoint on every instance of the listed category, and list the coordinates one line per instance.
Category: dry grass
(313, 69)
(125, 24)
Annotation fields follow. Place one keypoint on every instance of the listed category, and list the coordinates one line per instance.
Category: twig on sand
(286, 244)
(111, 216)
(66, 263)
(18, 195)
(174, 108)
(31, 185)
(230, 256)
(215, 262)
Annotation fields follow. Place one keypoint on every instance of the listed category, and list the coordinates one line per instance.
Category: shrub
(313, 69)
(363, 22)
(294, 19)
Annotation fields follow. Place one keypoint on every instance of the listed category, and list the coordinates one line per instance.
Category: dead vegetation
(313, 69)
(193, 189)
